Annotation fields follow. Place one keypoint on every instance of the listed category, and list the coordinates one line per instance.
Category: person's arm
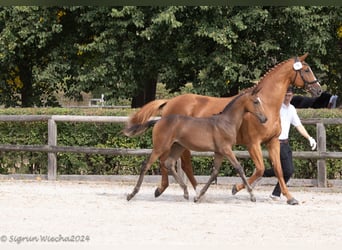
(306, 135)
(301, 129)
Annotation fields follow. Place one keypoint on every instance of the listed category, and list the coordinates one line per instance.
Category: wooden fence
(52, 148)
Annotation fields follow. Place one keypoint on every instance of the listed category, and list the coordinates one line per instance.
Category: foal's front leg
(217, 164)
(231, 157)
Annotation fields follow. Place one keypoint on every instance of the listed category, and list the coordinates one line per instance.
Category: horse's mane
(274, 68)
(244, 91)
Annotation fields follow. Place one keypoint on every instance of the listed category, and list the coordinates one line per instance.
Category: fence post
(52, 157)
(321, 148)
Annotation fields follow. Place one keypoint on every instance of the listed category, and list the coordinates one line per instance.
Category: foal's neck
(233, 114)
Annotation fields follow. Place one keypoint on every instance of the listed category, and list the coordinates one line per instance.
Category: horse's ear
(302, 58)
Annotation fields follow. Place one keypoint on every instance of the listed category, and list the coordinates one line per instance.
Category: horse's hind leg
(145, 166)
(256, 155)
(164, 179)
(170, 163)
(187, 168)
(217, 164)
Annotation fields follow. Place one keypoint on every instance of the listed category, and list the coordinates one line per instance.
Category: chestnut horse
(251, 134)
(173, 134)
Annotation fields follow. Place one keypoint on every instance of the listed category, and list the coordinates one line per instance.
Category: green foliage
(124, 50)
(106, 135)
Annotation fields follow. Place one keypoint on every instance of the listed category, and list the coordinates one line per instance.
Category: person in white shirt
(288, 116)
(332, 102)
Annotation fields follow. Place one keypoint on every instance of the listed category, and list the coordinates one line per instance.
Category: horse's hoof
(292, 201)
(157, 193)
(253, 199)
(234, 190)
(186, 196)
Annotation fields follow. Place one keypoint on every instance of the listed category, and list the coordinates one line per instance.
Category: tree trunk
(147, 93)
(25, 73)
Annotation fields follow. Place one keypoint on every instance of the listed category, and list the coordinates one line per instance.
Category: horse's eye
(307, 70)
(256, 101)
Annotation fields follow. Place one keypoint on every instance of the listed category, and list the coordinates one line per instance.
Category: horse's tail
(138, 123)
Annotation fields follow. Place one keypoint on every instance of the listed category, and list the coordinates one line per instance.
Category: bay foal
(175, 133)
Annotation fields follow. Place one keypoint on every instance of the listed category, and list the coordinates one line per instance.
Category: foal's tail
(139, 122)
(138, 129)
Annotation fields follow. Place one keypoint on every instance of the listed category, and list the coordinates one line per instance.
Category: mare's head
(253, 104)
(304, 77)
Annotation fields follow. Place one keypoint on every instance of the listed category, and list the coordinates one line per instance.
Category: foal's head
(253, 104)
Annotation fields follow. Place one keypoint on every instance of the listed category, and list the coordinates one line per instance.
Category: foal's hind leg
(187, 168)
(170, 163)
(145, 166)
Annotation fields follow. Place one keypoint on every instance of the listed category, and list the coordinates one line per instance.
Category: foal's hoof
(129, 197)
(234, 190)
(253, 199)
(186, 196)
(292, 201)
(157, 193)
(197, 198)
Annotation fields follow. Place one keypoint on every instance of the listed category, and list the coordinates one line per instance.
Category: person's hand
(312, 143)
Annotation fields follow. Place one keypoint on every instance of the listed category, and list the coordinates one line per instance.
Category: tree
(126, 50)
(28, 34)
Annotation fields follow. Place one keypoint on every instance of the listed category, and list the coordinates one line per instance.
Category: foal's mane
(243, 92)
(230, 104)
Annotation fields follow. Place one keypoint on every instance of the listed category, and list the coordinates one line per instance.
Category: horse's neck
(273, 88)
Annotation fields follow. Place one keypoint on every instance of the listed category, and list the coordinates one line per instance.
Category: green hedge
(107, 135)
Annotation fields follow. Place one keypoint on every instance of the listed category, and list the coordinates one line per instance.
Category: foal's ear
(302, 58)
(256, 90)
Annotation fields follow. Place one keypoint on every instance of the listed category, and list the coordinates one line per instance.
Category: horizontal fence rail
(52, 148)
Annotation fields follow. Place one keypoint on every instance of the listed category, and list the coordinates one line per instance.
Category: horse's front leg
(274, 154)
(217, 164)
(256, 155)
